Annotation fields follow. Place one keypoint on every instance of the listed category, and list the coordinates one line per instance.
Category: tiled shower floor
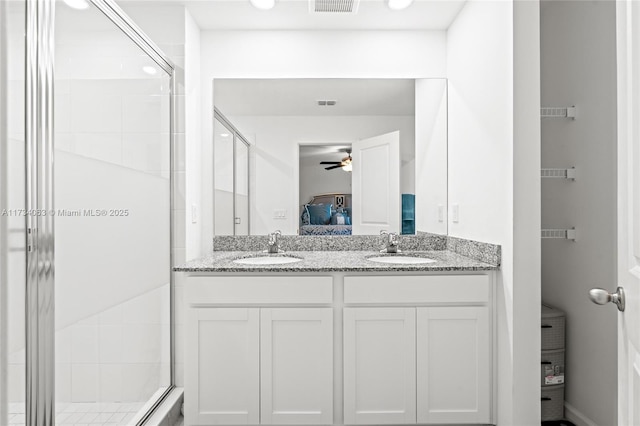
(81, 414)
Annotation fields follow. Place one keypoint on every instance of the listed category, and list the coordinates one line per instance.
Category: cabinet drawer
(552, 368)
(552, 333)
(210, 290)
(417, 289)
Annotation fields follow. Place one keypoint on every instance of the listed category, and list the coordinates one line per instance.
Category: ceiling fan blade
(333, 167)
(330, 162)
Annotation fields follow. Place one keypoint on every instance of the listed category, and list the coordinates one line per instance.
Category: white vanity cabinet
(258, 364)
(339, 350)
(429, 363)
(379, 365)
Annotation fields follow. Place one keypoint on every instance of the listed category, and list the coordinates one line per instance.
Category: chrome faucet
(392, 242)
(272, 246)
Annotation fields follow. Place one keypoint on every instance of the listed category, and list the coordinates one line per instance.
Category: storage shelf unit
(552, 363)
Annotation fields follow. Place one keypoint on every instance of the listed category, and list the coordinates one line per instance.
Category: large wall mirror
(338, 156)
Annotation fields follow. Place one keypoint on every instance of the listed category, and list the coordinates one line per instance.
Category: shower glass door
(112, 222)
(241, 195)
(231, 178)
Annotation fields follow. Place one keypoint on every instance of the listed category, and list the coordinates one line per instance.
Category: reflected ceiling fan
(345, 163)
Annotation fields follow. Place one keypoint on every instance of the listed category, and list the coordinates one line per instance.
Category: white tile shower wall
(118, 355)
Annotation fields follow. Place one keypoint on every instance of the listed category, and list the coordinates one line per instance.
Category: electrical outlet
(455, 213)
(279, 214)
(440, 213)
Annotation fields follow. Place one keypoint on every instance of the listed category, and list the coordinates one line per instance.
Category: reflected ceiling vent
(327, 103)
(334, 6)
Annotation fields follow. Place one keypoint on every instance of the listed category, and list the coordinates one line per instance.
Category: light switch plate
(194, 213)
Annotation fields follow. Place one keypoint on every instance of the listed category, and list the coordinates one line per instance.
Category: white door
(296, 366)
(222, 378)
(454, 369)
(628, 41)
(379, 366)
(375, 184)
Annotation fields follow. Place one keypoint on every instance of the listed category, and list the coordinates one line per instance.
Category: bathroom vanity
(336, 338)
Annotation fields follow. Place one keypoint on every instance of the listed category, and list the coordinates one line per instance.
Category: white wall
(492, 127)
(431, 155)
(344, 54)
(193, 140)
(579, 68)
(275, 141)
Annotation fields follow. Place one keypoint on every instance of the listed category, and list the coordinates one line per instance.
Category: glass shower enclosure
(85, 223)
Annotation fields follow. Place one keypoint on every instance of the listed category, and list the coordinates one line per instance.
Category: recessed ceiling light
(224, 135)
(77, 4)
(399, 4)
(150, 70)
(263, 4)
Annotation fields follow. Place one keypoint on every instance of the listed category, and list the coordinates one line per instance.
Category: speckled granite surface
(483, 252)
(423, 242)
(334, 261)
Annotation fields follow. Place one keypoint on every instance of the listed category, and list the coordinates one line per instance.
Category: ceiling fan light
(399, 4)
(348, 167)
(263, 4)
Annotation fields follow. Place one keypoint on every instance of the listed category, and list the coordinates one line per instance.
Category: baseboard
(571, 413)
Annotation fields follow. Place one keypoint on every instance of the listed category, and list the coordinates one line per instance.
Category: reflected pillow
(319, 214)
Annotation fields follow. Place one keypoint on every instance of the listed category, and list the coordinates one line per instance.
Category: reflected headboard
(337, 199)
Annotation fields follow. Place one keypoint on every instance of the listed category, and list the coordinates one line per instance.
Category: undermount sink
(400, 259)
(267, 260)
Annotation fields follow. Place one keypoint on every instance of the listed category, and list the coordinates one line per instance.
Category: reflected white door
(628, 34)
(376, 184)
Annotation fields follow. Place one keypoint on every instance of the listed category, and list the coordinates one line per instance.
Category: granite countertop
(335, 261)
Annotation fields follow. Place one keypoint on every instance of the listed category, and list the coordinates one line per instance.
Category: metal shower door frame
(39, 197)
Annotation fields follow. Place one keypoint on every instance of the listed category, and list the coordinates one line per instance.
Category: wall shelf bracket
(562, 234)
(559, 173)
(558, 112)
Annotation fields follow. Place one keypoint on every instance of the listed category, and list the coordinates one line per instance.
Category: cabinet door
(222, 366)
(454, 370)
(379, 366)
(296, 366)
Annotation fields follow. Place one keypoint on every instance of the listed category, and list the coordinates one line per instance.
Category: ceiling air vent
(334, 6)
(326, 103)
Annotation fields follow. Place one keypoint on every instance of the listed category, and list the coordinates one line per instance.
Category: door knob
(602, 297)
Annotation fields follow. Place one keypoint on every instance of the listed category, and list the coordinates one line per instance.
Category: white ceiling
(300, 96)
(294, 15)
